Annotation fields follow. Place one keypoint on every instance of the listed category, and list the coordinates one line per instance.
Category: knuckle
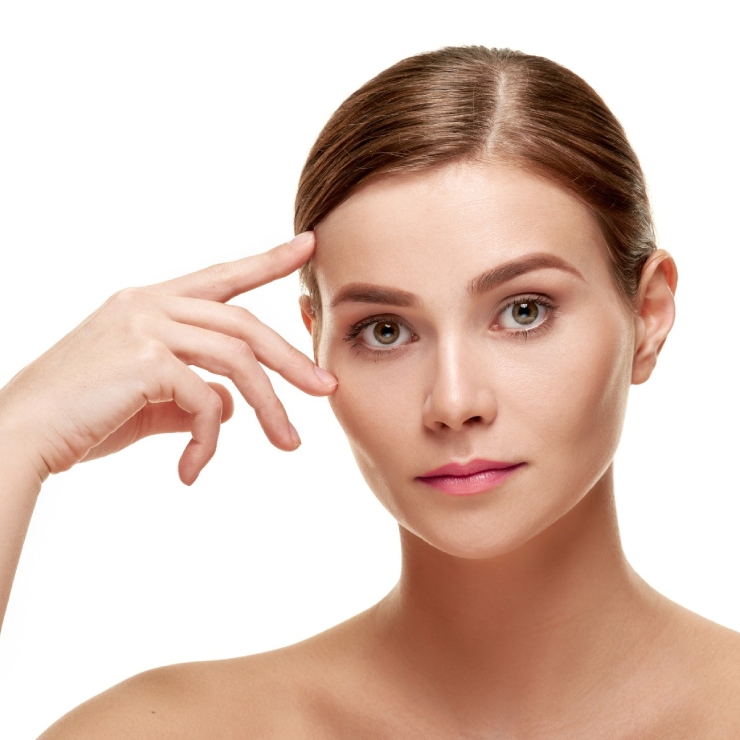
(213, 403)
(289, 361)
(215, 277)
(294, 358)
(127, 298)
(151, 365)
(240, 350)
(269, 262)
(139, 324)
(220, 272)
(269, 408)
(132, 311)
(241, 316)
(152, 353)
(278, 256)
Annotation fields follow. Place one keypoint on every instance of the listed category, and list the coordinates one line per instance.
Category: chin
(524, 518)
(479, 528)
(480, 539)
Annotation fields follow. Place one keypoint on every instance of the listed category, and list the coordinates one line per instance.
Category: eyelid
(355, 330)
(538, 298)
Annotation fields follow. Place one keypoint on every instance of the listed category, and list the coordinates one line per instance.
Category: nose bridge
(460, 391)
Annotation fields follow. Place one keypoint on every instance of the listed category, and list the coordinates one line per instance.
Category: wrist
(19, 456)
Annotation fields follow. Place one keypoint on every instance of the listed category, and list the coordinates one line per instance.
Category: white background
(142, 140)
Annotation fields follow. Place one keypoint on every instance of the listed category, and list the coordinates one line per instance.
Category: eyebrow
(368, 293)
(502, 274)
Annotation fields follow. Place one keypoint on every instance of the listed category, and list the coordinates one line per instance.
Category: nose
(461, 390)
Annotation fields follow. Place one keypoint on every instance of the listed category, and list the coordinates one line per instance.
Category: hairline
(482, 157)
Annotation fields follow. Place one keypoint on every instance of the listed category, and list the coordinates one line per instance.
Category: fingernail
(294, 435)
(325, 377)
(301, 239)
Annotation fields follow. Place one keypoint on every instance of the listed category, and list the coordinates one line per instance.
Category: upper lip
(468, 468)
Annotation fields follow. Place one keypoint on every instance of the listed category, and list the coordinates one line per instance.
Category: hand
(123, 373)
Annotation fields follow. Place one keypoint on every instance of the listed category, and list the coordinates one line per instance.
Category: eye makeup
(390, 320)
(535, 309)
(532, 313)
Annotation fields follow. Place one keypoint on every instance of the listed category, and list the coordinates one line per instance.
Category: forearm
(20, 483)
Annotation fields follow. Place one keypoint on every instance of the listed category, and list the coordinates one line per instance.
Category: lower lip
(467, 485)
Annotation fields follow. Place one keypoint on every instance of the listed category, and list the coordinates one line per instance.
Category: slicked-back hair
(477, 104)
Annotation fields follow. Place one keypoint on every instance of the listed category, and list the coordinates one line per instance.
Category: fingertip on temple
(302, 239)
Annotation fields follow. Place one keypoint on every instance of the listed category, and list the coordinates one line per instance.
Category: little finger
(192, 394)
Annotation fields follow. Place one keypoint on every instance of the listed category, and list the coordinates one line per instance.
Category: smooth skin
(516, 615)
(123, 375)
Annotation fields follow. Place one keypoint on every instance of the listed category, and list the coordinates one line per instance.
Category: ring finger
(232, 358)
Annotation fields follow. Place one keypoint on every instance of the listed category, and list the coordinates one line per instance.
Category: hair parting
(489, 105)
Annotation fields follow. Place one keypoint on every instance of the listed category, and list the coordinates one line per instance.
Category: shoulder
(258, 696)
(701, 666)
(712, 650)
(296, 691)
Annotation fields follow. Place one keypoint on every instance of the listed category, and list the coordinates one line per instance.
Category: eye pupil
(386, 332)
(525, 313)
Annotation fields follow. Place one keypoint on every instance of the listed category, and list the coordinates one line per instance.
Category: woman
(484, 289)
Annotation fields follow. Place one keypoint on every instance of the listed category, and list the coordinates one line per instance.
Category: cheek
(377, 406)
(578, 397)
(560, 405)
(372, 399)
(374, 404)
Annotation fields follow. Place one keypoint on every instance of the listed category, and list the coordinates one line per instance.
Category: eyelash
(355, 330)
(540, 300)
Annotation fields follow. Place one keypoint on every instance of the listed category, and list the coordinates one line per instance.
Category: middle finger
(266, 344)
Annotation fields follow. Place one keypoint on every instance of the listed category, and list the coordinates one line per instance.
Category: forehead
(434, 231)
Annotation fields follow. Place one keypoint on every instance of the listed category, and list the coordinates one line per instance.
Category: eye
(385, 333)
(523, 314)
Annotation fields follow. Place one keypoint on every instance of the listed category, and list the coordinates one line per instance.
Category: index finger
(224, 281)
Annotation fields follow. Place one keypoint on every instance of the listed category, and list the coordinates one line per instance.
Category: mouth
(469, 478)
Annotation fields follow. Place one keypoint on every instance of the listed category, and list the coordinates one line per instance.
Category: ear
(307, 313)
(656, 311)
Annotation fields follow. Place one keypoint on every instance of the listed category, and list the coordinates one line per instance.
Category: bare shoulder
(712, 648)
(185, 701)
(257, 696)
(703, 658)
(277, 694)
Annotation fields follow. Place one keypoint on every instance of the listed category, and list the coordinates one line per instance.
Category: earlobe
(656, 311)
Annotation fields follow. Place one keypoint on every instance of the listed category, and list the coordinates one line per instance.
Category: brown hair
(483, 104)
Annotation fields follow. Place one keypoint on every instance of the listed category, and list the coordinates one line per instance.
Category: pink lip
(469, 478)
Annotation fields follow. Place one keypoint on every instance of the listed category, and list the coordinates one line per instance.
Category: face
(471, 318)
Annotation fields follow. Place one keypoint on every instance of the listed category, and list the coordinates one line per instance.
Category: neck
(564, 604)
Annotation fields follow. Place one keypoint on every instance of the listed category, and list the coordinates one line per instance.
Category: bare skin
(516, 615)
(123, 374)
(639, 666)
